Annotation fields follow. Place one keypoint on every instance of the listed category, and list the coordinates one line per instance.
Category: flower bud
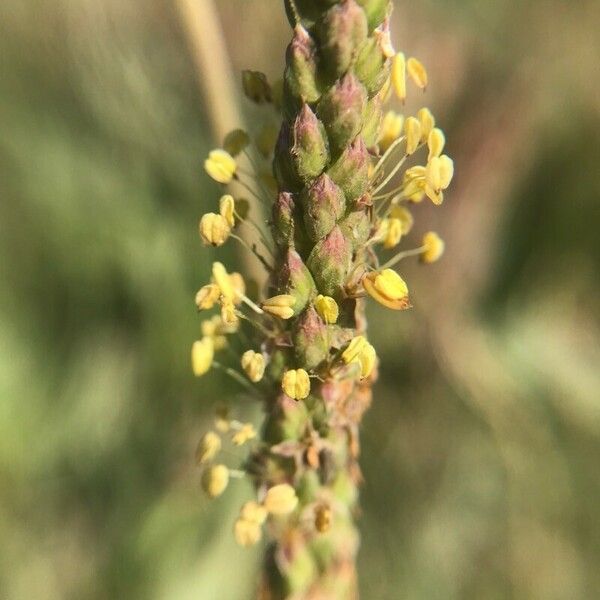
(280, 306)
(391, 129)
(341, 110)
(220, 165)
(412, 128)
(215, 480)
(323, 519)
(235, 141)
(295, 279)
(329, 262)
(427, 121)
(417, 72)
(434, 247)
(388, 288)
(372, 121)
(202, 356)
(309, 151)
(370, 67)
(327, 308)
(323, 204)
(244, 434)
(436, 142)
(256, 87)
(351, 170)
(208, 447)
(214, 229)
(375, 10)
(247, 533)
(399, 76)
(280, 499)
(341, 31)
(207, 296)
(283, 168)
(310, 339)
(296, 384)
(253, 364)
(283, 221)
(300, 80)
(356, 228)
(254, 512)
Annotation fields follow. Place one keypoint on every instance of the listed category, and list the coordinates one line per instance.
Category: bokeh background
(482, 449)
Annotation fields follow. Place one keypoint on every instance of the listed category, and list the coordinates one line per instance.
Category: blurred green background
(482, 448)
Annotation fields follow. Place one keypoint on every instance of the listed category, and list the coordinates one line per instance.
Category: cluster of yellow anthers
(399, 140)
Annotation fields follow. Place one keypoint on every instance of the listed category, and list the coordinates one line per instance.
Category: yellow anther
(227, 208)
(434, 247)
(427, 121)
(280, 499)
(412, 128)
(436, 141)
(207, 296)
(215, 480)
(367, 359)
(253, 364)
(208, 447)
(404, 216)
(214, 229)
(296, 384)
(417, 72)
(355, 347)
(220, 165)
(393, 233)
(228, 313)
(399, 75)
(327, 308)
(387, 288)
(203, 352)
(244, 434)
(391, 129)
(223, 280)
(239, 287)
(247, 533)
(280, 306)
(253, 511)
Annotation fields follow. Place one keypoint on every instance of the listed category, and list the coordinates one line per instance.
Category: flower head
(388, 288)
(220, 165)
(296, 384)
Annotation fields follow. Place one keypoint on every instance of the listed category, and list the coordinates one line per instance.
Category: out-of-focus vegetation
(481, 450)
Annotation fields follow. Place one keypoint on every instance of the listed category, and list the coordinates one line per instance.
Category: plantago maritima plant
(337, 194)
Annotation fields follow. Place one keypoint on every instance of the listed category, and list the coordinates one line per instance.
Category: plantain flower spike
(280, 306)
(296, 384)
(214, 229)
(215, 480)
(208, 447)
(203, 352)
(220, 165)
(433, 247)
(280, 499)
(253, 364)
(417, 72)
(327, 308)
(387, 288)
